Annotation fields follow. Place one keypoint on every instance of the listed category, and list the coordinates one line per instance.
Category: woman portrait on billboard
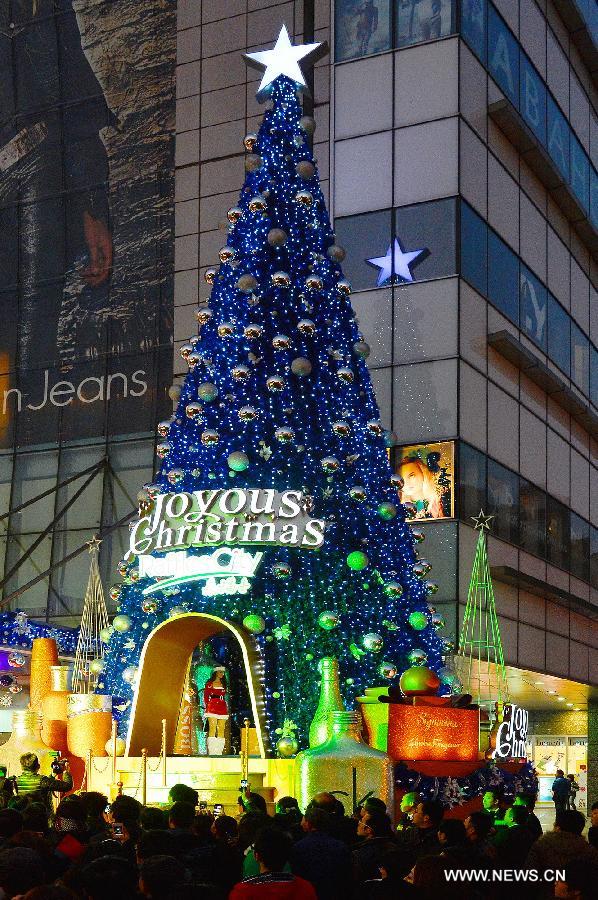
(420, 488)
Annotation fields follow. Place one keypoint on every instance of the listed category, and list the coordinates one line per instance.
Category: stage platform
(216, 779)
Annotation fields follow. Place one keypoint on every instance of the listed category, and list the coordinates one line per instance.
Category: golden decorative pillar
(89, 724)
(26, 738)
(375, 717)
(54, 709)
(44, 655)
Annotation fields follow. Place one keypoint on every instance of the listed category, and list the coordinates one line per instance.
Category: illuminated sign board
(433, 733)
(511, 737)
(428, 480)
(232, 516)
(225, 571)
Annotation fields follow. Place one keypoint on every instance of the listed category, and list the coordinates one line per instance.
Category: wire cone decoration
(94, 618)
(480, 661)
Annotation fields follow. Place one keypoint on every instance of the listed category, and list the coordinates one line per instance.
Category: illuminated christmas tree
(279, 397)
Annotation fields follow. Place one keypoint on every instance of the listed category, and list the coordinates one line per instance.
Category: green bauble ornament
(418, 620)
(238, 461)
(357, 560)
(106, 634)
(387, 511)
(122, 623)
(328, 620)
(254, 623)
(373, 642)
(419, 681)
(96, 666)
(287, 746)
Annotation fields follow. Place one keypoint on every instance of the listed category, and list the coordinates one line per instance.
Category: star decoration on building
(93, 545)
(396, 262)
(283, 59)
(482, 520)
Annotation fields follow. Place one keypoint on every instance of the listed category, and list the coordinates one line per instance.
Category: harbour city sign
(212, 518)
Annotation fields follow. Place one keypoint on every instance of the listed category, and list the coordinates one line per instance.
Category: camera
(218, 809)
(58, 766)
(244, 784)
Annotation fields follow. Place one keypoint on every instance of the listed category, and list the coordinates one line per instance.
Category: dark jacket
(325, 862)
(418, 842)
(561, 788)
(367, 857)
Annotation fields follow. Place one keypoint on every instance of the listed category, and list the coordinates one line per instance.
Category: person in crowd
(561, 789)
(375, 831)
(228, 858)
(95, 805)
(513, 839)
(109, 878)
(491, 805)
(20, 870)
(593, 830)
(30, 781)
(11, 821)
(573, 791)
(35, 818)
(557, 848)
(158, 842)
(580, 883)
(69, 831)
(161, 878)
(152, 818)
(478, 827)
(183, 792)
(371, 805)
(452, 838)
(289, 816)
(320, 858)
(272, 851)
(122, 819)
(533, 823)
(421, 839)
(342, 827)
(430, 880)
(390, 884)
(409, 802)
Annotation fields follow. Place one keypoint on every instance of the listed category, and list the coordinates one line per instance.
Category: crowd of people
(90, 849)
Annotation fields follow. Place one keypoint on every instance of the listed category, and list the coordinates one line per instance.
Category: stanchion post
(163, 752)
(88, 764)
(144, 777)
(113, 741)
(245, 751)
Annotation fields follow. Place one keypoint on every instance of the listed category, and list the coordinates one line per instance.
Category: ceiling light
(538, 682)
(551, 692)
(560, 698)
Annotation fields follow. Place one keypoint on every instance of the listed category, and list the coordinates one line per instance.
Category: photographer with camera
(30, 781)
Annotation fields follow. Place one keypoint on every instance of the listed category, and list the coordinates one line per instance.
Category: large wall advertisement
(87, 111)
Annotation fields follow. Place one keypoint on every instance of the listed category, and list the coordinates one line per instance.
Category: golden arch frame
(162, 671)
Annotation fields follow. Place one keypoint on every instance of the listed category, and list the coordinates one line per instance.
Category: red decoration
(432, 733)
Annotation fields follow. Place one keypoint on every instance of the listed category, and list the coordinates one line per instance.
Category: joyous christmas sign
(235, 516)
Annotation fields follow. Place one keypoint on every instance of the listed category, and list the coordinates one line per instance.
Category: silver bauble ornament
(281, 342)
(387, 670)
(393, 589)
(287, 746)
(304, 198)
(149, 606)
(175, 476)
(306, 327)
(129, 674)
(241, 372)
(280, 279)
(258, 204)
(345, 375)
(431, 588)
(284, 434)
(177, 611)
(249, 141)
(193, 410)
(301, 366)
(210, 274)
(282, 571)
(253, 162)
(373, 642)
(238, 461)
(194, 359)
(207, 392)
(307, 124)
(330, 465)
(336, 253)
(226, 329)
(410, 510)
(277, 237)
(341, 428)
(314, 283)
(203, 315)
(96, 666)
(362, 349)
(418, 536)
(375, 427)
(275, 383)
(174, 392)
(234, 214)
(417, 657)
(253, 331)
(209, 437)
(305, 169)
(343, 287)
(226, 255)
(448, 647)
(114, 592)
(185, 350)
(426, 565)
(387, 511)
(163, 449)
(122, 624)
(397, 482)
(247, 413)
(358, 493)
(419, 571)
(247, 283)
(438, 621)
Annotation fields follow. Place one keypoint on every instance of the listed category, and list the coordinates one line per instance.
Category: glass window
(580, 548)
(557, 533)
(594, 197)
(503, 277)
(580, 359)
(362, 27)
(429, 227)
(594, 557)
(558, 138)
(474, 249)
(532, 98)
(86, 511)
(425, 20)
(503, 56)
(472, 481)
(533, 302)
(532, 518)
(580, 173)
(474, 25)
(593, 375)
(34, 474)
(364, 237)
(503, 501)
(559, 337)
(34, 599)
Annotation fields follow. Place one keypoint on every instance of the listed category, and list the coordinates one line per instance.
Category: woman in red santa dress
(216, 710)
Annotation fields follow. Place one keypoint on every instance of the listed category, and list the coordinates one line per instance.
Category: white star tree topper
(283, 59)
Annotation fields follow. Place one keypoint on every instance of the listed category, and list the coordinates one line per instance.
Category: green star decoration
(482, 520)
